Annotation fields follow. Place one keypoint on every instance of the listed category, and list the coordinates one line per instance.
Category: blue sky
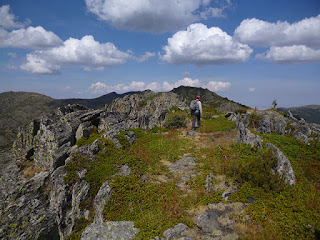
(249, 51)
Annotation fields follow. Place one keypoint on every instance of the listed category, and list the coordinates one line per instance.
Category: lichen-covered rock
(245, 136)
(175, 232)
(217, 220)
(146, 110)
(48, 140)
(100, 200)
(110, 231)
(283, 166)
(60, 201)
(27, 215)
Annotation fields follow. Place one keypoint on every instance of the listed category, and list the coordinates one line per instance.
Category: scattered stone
(175, 232)
(110, 231)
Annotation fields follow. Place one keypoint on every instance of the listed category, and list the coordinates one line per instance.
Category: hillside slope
(20, 108)
(208, 98)
(310, 113)
(91, 173)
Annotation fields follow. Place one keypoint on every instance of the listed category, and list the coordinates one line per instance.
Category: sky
(252, 52)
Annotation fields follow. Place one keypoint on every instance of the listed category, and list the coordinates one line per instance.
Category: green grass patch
(221, 124)
(153, 207)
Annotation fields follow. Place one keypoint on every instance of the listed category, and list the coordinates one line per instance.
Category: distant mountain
(19, 108)
(310, 113)
(208, 98)
(94, 103)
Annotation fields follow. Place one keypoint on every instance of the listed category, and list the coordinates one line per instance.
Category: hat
(198, 97)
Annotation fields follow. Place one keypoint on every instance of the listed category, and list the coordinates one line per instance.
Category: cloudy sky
(249, 51)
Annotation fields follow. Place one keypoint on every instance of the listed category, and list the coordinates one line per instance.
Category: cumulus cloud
(298, 42)
(252, 89)
(291, 54)
(261, 33)
(8, 20)
(103, 88)
(85, 52)
(29, 38)
(201, 45)
(151, 15)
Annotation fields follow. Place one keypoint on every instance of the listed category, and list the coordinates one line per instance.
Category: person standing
(196, 112)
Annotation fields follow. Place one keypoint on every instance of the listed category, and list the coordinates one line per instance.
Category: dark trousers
(194, 117)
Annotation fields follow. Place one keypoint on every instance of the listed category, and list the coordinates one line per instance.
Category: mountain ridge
(19, 108)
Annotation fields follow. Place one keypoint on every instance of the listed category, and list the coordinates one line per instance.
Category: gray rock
(245, 136)
(110, 231)
(283, 167)
(26, 215)
(48, 140)
(60, 201)
(100, 200)
(125, 170)
(175, 231)
(208, 222)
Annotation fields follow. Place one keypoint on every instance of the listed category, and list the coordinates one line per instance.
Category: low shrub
(175, 121)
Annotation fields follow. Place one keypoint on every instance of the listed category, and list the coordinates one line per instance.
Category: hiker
(196, 112)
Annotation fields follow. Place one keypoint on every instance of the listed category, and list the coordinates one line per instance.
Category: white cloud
(144, 57)
(291, 54)
(102, 88)
(204, 46)
(252, 89)
(85, 52)
(29, 38)
(218, 86)
(298, 42)
(261, 33)
(150, 15)
(7, 19)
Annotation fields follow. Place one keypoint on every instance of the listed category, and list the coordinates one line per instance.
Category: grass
(216, 124)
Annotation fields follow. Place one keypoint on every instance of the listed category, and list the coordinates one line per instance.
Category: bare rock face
(48, 140)
(245, 136)
(26, 215)
(110, 231)
(283, 166)
(147, 110)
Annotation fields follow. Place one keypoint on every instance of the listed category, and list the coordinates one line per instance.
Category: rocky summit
(135, 170)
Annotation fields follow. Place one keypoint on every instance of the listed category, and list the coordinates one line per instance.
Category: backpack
(193, 105)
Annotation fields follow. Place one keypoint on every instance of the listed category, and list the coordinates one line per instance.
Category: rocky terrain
(60, 179)
(20, 108)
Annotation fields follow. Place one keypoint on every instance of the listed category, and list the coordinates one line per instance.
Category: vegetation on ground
(275, 210)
